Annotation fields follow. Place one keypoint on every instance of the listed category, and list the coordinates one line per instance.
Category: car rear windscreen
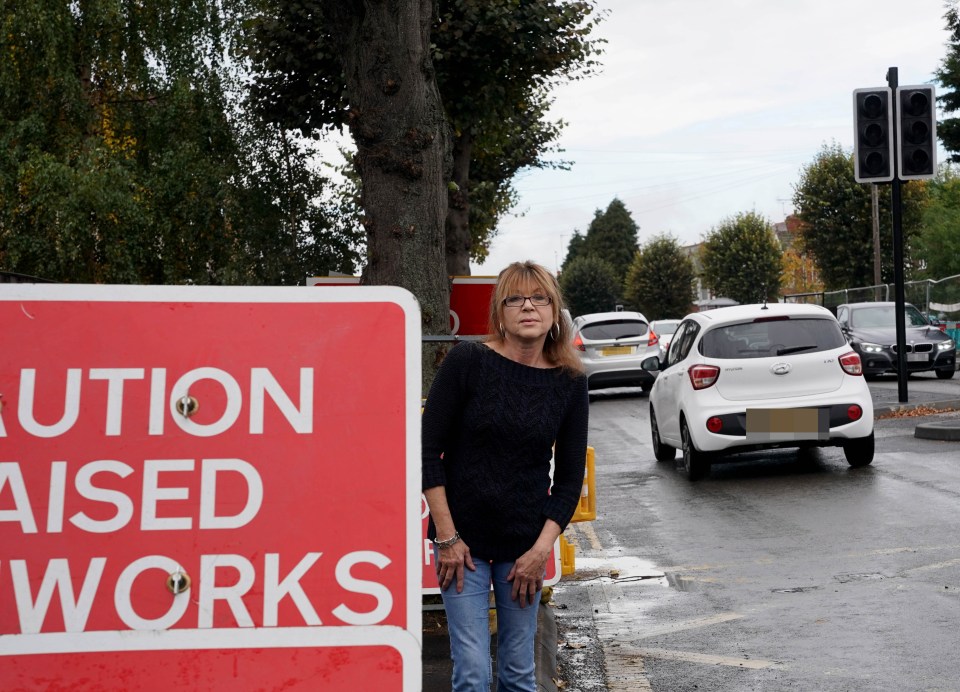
(771, 338)
(667, 327)
(613, 329)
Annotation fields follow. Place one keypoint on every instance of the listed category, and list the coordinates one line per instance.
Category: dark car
(871, 330)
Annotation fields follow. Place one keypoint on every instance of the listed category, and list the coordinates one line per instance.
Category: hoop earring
(557, 337)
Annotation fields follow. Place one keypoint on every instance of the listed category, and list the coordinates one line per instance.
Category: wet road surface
(782, 571)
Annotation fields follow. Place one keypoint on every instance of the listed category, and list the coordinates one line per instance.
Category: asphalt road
(781, 571)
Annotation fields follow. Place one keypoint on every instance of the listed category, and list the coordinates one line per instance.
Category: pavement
(922, 394)
(437, 667)
(919, 395)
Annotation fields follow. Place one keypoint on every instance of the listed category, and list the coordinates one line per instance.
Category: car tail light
(850, 362)
(578, 343)
(714, 424)
(703, 376)
(654, 339)
(854, 412)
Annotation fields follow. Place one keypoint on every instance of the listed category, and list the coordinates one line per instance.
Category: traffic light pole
(897, 208)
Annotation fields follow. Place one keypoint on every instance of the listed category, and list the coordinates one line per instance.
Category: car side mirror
(651, 364)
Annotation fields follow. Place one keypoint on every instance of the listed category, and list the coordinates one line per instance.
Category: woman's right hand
(450, 565)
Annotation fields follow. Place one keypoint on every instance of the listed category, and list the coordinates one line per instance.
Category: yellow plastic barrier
(568, 558)
(587, 508)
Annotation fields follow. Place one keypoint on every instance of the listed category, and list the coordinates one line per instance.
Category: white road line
(706, 659)
(932, 567)
(685, 625)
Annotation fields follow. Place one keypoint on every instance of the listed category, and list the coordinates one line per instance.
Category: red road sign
(272, 536)
(429, 577)
(470, 304)
(469, 300)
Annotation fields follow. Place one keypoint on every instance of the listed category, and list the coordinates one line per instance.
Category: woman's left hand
(527, 574)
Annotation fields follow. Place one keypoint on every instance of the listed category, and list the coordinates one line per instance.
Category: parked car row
(753, 377)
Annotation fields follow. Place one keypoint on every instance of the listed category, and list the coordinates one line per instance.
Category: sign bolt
(187, 405)
(178, 582)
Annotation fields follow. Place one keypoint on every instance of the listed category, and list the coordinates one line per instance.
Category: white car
(753, 377)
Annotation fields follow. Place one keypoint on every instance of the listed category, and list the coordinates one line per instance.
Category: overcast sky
(707, 108)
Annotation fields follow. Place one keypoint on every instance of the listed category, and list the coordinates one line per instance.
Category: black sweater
(489, 424)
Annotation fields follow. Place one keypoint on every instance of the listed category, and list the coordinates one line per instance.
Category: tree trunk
(458, 209)
(398, 124)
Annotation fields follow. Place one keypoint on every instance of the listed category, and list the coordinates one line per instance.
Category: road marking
(586, 528)
(681, 569)
(932, 567)
(592, 536)
(706, 659)
(685, 625)
(904, 549)
(625, 670)
(625, 673)
(719, 565)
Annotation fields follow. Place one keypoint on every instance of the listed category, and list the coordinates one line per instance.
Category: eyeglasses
(537, 299)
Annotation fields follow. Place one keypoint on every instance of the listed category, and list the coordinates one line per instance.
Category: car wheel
(945, 374)
(661, 451)
(859, 451)
(695, 462)
(647, 386)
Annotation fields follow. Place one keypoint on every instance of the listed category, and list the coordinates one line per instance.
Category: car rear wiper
(794, 349)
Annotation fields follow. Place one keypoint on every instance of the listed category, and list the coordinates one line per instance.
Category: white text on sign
(162, 400)
(58, 496)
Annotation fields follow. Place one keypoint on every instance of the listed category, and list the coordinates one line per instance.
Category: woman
(496, 414)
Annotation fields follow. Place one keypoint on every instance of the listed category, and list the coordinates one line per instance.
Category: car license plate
(787, 424)
(616, 351)
(918, 357)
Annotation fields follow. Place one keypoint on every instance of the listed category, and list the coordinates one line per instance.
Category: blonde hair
(558, 347)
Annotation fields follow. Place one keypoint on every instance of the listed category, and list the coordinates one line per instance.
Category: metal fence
(939, 299)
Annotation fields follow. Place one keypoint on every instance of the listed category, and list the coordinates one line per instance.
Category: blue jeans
(469, 627)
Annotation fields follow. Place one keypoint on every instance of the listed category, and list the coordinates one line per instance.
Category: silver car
(612, 345)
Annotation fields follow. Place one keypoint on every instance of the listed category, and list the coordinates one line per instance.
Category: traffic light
(873, 137)
(917, 133)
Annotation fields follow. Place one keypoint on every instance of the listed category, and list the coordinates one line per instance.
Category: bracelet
(449, 542)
